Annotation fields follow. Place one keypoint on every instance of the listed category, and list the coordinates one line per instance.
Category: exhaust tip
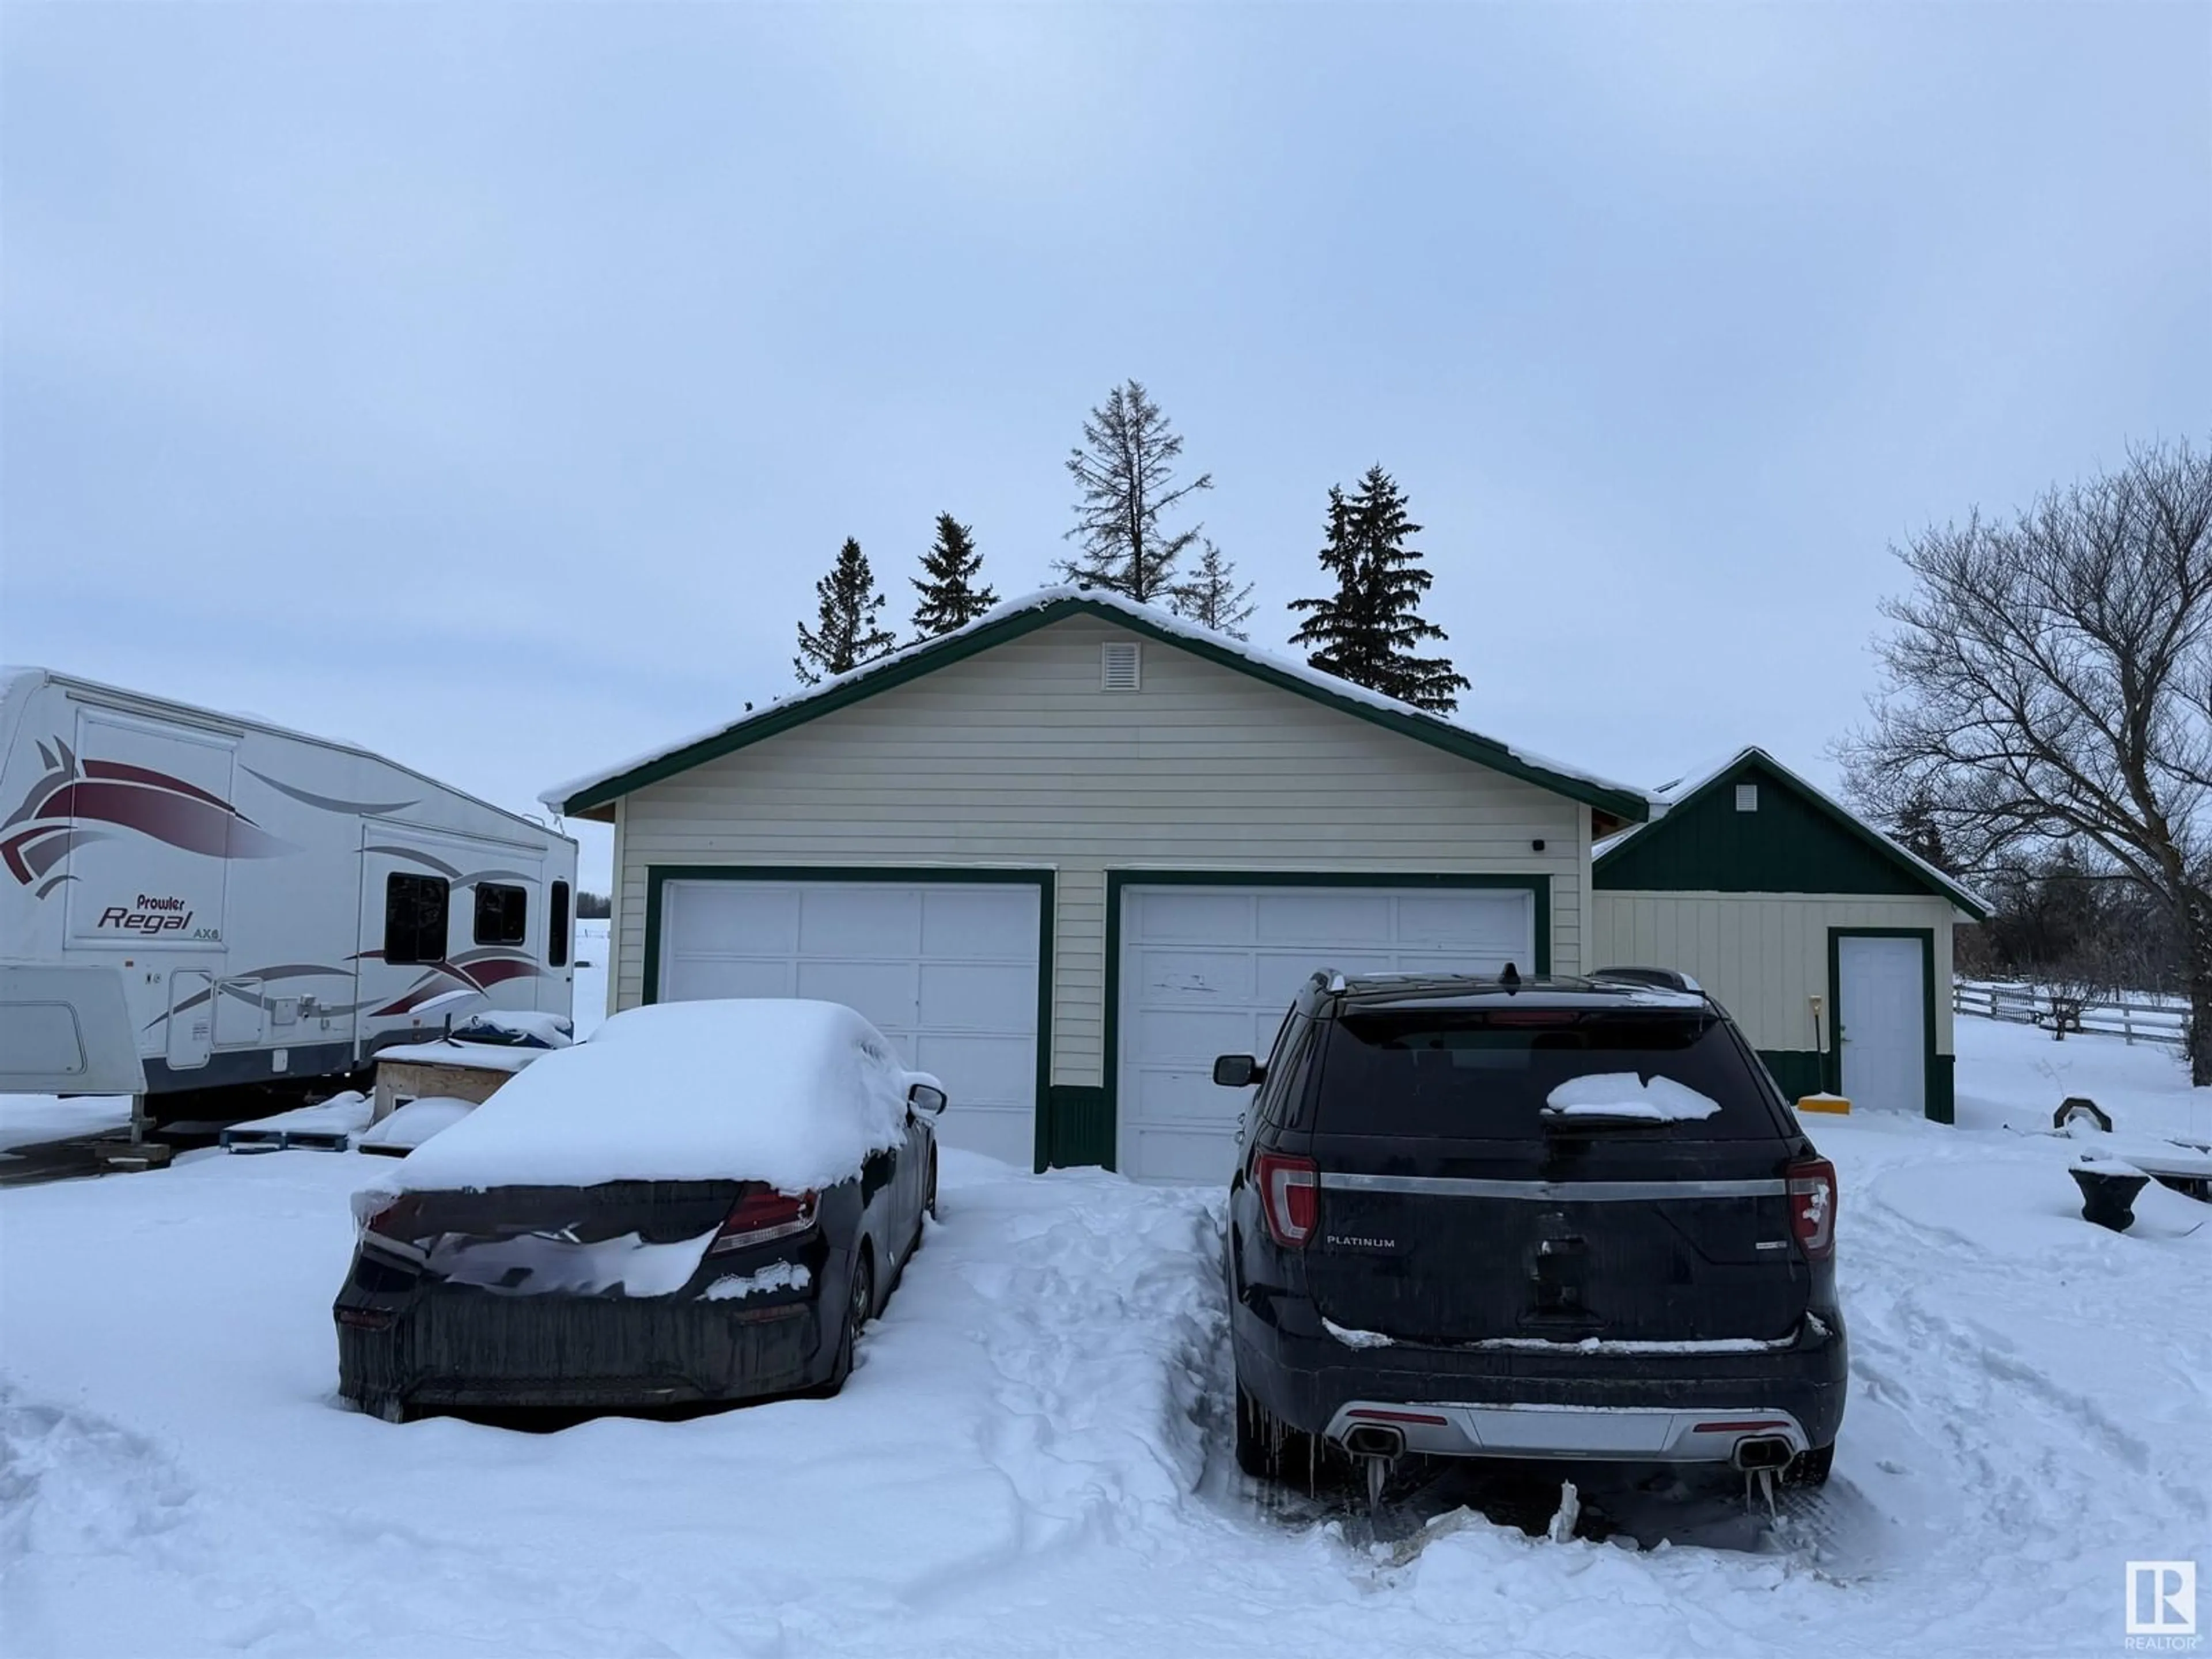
(1368, 1440)
(1765, 1451)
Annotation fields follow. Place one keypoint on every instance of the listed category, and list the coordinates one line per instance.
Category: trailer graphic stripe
(124, 772)
(328, 803)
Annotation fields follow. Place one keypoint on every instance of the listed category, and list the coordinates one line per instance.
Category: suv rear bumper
(1658, 1407)
(1633, 1434)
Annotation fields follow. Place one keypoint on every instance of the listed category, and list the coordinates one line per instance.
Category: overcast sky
(491, 384)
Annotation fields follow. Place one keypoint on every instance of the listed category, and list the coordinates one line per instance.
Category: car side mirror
(1238, 1072)
(926, 1098)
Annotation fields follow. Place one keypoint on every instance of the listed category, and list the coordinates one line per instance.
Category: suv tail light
(1290, 1197)
(1812, 1206)
(762, 1216)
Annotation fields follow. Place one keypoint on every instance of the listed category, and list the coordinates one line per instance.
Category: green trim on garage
(1938, 1094)
(657, 876)
(1082, 1120)
(1796, 1072)
(1798, 840)
(1628, 806)
(1098, 1145)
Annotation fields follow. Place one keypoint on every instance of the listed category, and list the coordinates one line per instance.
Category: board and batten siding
(1763, 955)
(1016, 758)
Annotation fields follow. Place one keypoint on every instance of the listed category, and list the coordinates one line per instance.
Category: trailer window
(557, 927)
(501, 912)
(415, 918)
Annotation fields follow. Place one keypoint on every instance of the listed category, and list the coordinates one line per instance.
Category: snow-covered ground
(1032, 1456)
(2012, 1075)
(31, 1119)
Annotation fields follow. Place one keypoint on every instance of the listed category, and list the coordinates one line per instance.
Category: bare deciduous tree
(2050, 685)
(1213, 598)
(1124, 475)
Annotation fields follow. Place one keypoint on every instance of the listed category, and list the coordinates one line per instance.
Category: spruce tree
(1124, 473)
(1368, 630)
(1919, 831)
(845, 633)
(1341, 627)
(951, 597)
(1213, 598)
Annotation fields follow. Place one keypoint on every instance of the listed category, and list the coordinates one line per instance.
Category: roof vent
(1120, 668)
(1746, 798)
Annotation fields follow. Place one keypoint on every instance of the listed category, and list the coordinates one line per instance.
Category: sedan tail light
(1290, 1197)
(388, 1215)
(1813, 1207)
(762, 1216)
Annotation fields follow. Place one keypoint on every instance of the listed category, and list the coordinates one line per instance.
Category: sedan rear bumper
(468, 1347)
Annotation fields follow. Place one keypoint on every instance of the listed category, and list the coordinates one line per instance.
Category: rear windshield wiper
(1556, 1121)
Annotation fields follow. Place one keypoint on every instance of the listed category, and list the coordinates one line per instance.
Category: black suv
(1528, 1218)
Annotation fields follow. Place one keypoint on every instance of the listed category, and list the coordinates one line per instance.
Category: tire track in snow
(1093, 1326)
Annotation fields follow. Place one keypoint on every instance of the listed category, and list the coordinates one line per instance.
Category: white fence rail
(2162, 1020)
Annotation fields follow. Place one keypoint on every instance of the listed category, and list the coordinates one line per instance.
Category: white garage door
(947, 971)
(1211, 970)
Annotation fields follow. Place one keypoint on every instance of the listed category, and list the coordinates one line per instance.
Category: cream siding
(1016, 758)
(618, 913)
(1764, 954)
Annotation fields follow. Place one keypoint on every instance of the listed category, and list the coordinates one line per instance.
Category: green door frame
(657, 876)
(1936, 1095)
(1539, 886)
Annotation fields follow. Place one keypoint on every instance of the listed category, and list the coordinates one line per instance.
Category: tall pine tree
(1920, 831)
(1124, 473)
(1367, 631)
(1213, 598)
(845, 633)
(951, 595)
(1340, 628)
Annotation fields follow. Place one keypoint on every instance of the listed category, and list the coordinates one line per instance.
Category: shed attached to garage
(1828, 942)
(1068, 854)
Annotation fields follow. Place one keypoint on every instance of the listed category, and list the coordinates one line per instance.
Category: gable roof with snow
(1799, 839)
(593, 794)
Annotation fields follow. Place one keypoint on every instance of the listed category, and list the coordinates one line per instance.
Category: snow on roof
(794, 1093)
(1668, 796)
(1163, 621)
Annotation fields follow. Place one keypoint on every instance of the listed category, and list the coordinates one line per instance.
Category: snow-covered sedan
(705, 1202)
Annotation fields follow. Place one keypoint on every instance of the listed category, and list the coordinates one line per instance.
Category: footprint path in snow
(1990, 1462)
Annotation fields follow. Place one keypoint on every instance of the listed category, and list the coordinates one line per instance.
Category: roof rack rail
(1327, 979)
(1667, 978)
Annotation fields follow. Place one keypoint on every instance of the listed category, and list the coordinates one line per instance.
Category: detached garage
(1067, 855)
(1828, 942)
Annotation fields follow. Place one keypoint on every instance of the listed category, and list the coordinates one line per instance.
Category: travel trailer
(192, 901)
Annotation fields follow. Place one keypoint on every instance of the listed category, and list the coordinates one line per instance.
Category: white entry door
(1881, 1020)
(1211, 970)
(947, 971)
